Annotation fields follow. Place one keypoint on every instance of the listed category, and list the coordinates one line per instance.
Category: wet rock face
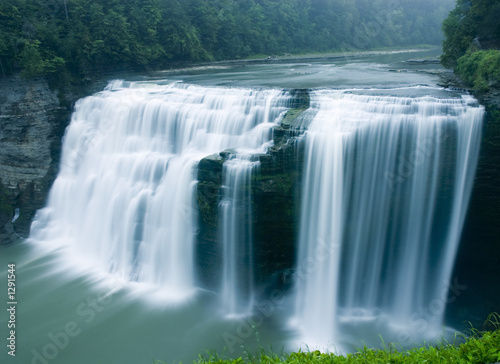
(275, 205)
(208, 253)
(277, 194)
(30, 134)
(275, 200)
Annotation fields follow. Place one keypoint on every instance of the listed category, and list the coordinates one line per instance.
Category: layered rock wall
(31, 125)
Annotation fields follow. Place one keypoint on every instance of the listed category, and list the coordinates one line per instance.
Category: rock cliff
(31, 125)
(276, 198)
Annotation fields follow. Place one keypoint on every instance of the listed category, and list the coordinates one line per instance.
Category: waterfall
(124, 194)
(387, 182)
(236, 230)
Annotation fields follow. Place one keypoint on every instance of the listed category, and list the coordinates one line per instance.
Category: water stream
(387, 184)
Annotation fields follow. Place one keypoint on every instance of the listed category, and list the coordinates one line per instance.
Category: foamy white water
(236, 235)
(387, 182)
(386, 186)
(124, 195)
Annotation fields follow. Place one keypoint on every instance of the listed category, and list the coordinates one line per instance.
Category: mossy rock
(301, 101)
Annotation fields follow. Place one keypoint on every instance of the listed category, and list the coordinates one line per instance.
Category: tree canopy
(472, 40)
(79, 37)
(471, 19)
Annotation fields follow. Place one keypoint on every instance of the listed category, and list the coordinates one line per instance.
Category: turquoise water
(70, 316)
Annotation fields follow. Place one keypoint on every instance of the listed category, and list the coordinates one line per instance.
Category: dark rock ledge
(276, 196)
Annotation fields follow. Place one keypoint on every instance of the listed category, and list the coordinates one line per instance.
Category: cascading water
(386, 185)
(124, 195)
(236, 230)
(385, 188)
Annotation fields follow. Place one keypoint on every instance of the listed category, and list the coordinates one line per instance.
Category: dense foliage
(472, 40)
(79, 37)
(480, 69)
(469, 20)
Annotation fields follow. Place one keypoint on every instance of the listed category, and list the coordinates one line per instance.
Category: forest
(73, 39)
(472, 40)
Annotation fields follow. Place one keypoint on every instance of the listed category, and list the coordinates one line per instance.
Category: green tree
(469, 19)
(82, 37)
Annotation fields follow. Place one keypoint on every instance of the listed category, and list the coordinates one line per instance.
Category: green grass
(481, 347)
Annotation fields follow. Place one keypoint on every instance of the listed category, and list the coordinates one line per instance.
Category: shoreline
(328, 56)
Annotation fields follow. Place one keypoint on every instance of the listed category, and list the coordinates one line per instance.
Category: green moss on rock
(301, 102)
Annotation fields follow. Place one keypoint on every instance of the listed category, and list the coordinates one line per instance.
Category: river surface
(70, 312)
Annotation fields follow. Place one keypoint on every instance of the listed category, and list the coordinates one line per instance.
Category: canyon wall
(32, 123)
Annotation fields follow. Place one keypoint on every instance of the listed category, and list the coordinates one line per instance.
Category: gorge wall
(33, 118)
(32, 123)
